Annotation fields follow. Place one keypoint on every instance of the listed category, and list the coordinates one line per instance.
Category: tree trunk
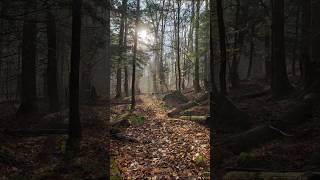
(178, 44)
(206, 71)
(1, 43)
(28, 74)
(126, 80)
(121, 40)
(251, 51)
(306, 43)
(126, 75)
(280, 84)
(73, 143)
(296, 41)
(196, 82)
(108, 65)
(223, 51)
(234, 76)
(52, 82)
(267, 58)
(190, 38)
(315, 43)
(135, 46)
(161, 62)
(154, 74)
(213, 90)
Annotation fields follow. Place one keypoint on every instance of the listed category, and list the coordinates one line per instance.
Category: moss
(136, 120)
(114, 170)
(206, 174)
(199, 159)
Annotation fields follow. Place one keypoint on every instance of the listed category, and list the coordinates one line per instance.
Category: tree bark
(213, 90)
(267, 58)
(28, 74)
(126, 73)
(196, 82)
(121, 47)
(223, 51)
(251, 51)
(296, 41)
(108, 64)
(73, 142)
(52, 63)
(178, 44)
(234, 76)
(306, 43)
(315, 43)
(161, 62)
(135, 46)
(280, 84)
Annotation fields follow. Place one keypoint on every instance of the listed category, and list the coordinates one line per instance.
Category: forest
(159, 89)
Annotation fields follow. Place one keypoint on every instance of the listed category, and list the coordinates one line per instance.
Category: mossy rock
(175, 99)
(199, 159)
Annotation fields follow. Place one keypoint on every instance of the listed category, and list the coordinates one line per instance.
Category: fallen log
(194, 118)
(240, 175)
(123, 137)
(229, 117)
(176, 112)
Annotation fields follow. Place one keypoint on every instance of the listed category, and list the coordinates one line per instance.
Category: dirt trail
(170, 148)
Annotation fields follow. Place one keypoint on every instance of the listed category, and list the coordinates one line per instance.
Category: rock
(175, 99)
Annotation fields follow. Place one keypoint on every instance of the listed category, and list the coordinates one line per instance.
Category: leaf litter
(167, 150)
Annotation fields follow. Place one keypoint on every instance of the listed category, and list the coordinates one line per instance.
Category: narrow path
(173, 148)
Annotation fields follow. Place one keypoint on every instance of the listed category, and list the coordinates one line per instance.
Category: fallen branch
(124, 137)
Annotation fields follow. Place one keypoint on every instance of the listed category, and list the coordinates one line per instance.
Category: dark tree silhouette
(73, 143)
(223, 51)
(28, 73)
(52, 62)
(108, 75)
(280, 85)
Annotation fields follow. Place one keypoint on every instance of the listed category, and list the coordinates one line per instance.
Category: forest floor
(43, 157)
(167, 149)
(298, 150)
